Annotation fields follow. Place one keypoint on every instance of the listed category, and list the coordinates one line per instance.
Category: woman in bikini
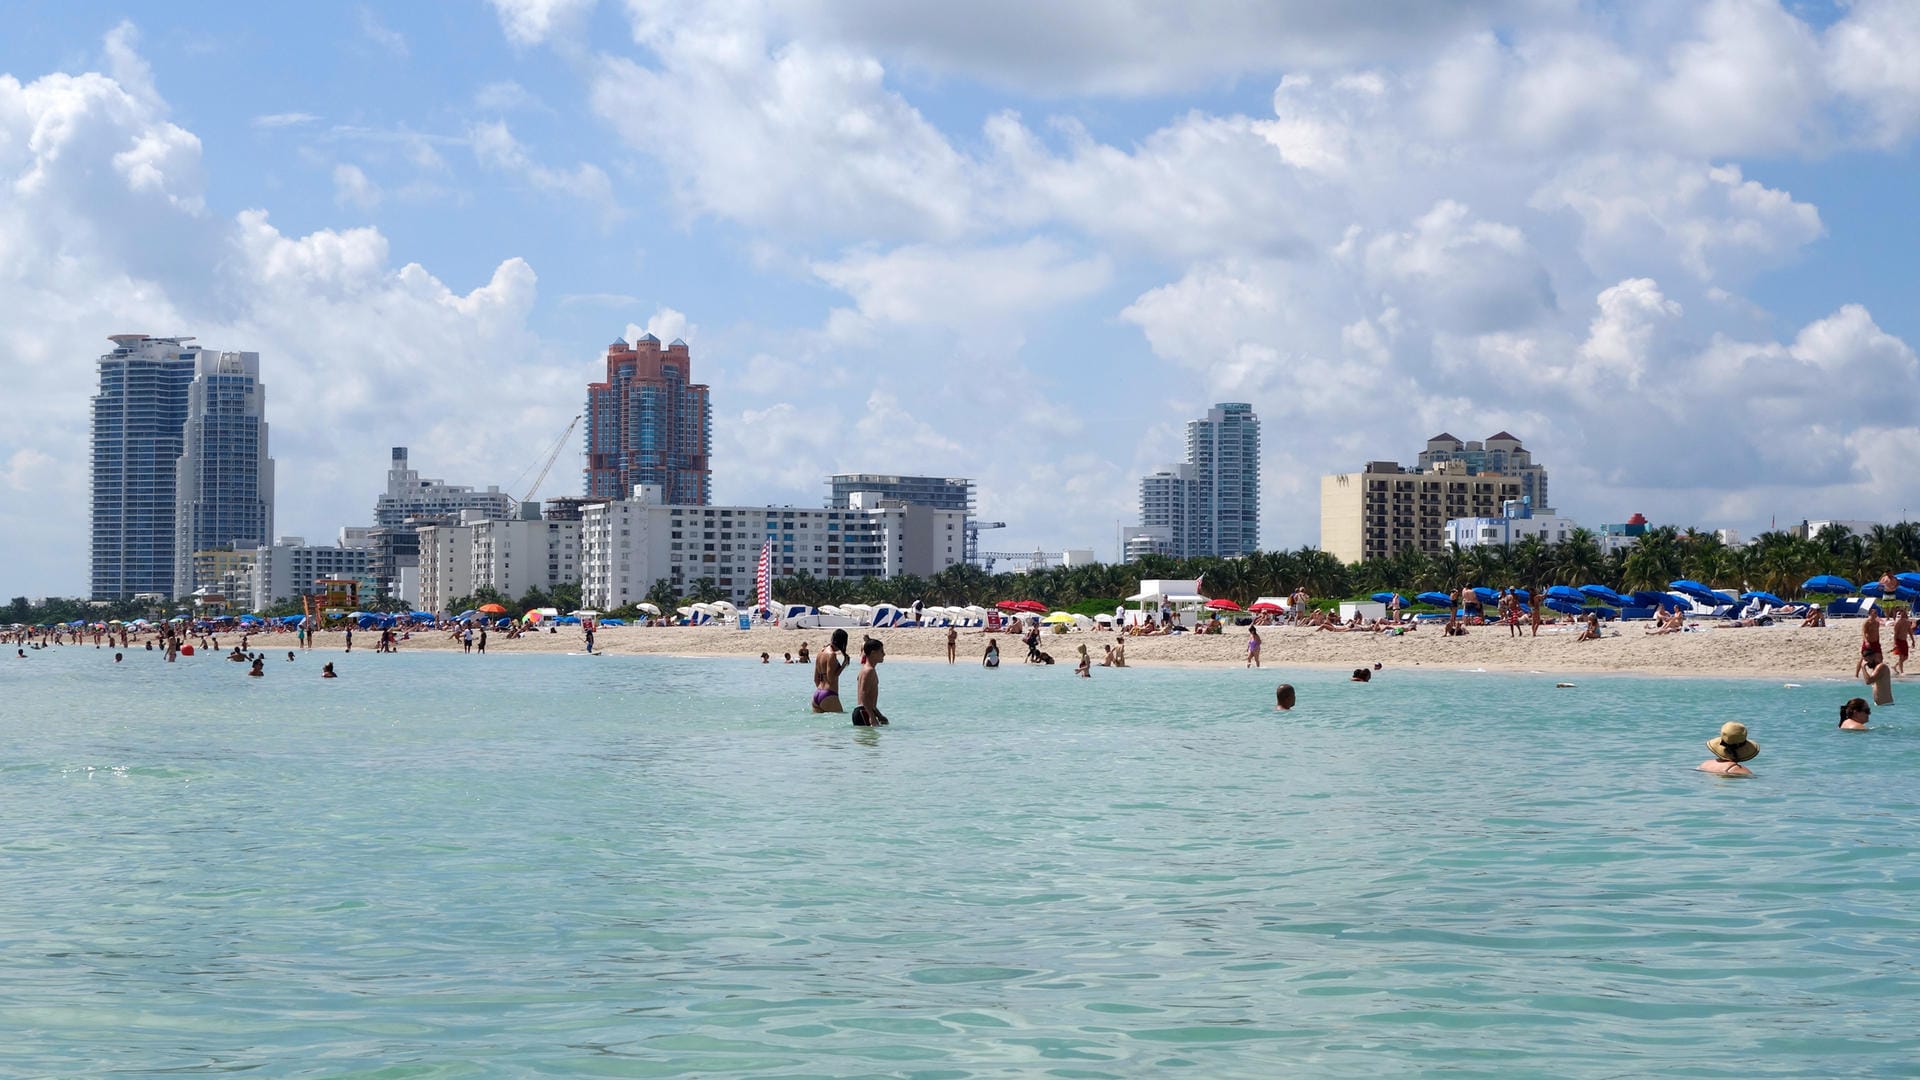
(826, 674)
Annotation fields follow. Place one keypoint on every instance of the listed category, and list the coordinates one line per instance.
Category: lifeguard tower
(339, 595)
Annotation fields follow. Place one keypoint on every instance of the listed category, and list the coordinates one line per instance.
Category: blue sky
(1667, 245)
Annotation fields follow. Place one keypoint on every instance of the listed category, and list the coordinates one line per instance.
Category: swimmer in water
(867, 713)
(1854, 714)
(327, 671)
(826, 674)
(259, 669)
(1731, 750)
(1283, 698)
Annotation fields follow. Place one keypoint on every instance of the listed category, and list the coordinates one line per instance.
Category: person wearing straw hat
(1731, 750)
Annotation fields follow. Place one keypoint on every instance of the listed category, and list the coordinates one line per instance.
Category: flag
(1197, 582)
(764, 581)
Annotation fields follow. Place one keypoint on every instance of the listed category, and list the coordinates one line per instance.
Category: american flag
(764, 580)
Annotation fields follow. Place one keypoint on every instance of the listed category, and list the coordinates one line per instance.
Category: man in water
(867, 713)
(826, 674)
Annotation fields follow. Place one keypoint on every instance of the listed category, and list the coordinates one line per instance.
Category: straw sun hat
(1732, 743)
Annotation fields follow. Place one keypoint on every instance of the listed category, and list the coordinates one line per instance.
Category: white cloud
(1870, 59)
(967, 290)
(496, 148)
(379, 33)
(352, 188)
(531, 22)
(284, 119)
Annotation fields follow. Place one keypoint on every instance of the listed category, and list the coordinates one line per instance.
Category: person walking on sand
(1731, 750)
(867, 713)
(1253, 646)
(953, 643)
(1902, 640)
(826, 674)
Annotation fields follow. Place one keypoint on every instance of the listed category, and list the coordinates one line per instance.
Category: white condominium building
(510, 556)
(628, 545)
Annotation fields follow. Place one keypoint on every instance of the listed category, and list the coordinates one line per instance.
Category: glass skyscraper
(223, 487)
(649, 423)
(1210, 505)
(139, 419)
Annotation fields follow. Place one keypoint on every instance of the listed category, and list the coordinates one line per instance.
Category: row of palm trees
(1775, 562)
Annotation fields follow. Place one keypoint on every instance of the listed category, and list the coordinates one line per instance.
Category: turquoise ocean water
(442, 865)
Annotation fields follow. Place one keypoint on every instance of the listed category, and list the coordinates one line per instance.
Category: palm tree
(1577, 559)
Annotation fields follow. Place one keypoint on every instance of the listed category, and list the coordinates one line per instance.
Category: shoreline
(1774, 652)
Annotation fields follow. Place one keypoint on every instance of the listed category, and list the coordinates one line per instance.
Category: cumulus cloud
(496, 148)
(531, 22)
(352, 188)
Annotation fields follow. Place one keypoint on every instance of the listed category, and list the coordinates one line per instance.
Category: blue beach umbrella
(1564, 606)
(1486, 595)
(1763, 597)
(1909, 578)
(1827, 583)
(1605, 595)
(1908, 593)
(1872, 588)
(1388, 598)
(1439, 599)
(1567, 593)
(1694, 589)
(1649, 598)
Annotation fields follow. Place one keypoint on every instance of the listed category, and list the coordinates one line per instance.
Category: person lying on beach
(1854, 714)
(1731, 749)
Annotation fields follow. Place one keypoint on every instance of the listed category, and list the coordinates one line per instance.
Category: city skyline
(885, 236)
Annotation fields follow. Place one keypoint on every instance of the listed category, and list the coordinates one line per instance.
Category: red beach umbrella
(1265, 608)
(1222, 604)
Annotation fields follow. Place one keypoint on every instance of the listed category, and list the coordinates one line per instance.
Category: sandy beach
(1785, 651)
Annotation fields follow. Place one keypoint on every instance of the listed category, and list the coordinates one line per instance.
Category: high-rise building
(410, 502)
(1210, 505)
(138, 421)
(1500, 453)
(938, 492)
(510, 556)
(1386, 508)
(626, 545)
(649, 423)
(223, 486)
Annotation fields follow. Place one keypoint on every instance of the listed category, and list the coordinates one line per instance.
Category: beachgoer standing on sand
(826, 674)
(867, 713)
(1902, 640)
(1731, 749)
(1854, 714)
(953, 643)
(1253, 646)
(1870, 634)
(1534, 617)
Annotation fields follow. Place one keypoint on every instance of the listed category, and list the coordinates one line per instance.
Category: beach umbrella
(648, 608)
(1649, 598)
(1266, 608)
(1486, 595)
(1567, 593)
(1763, 597)
(1058, 617)
(1437, 598)
(1224, 604)
(1694, 590)
(1008, 605)
(1605, 595)
(1827, 583)
(1909, 578)
(1032, 607)
(1873, 589)
(583, 613)
(1564, 606)
(1388, 598)
(492, 609)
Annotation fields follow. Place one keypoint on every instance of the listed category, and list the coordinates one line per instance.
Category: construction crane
(553, 455)
(1034, 560)
(973, 536)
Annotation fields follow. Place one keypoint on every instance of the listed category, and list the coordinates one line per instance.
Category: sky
(1668, 245)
